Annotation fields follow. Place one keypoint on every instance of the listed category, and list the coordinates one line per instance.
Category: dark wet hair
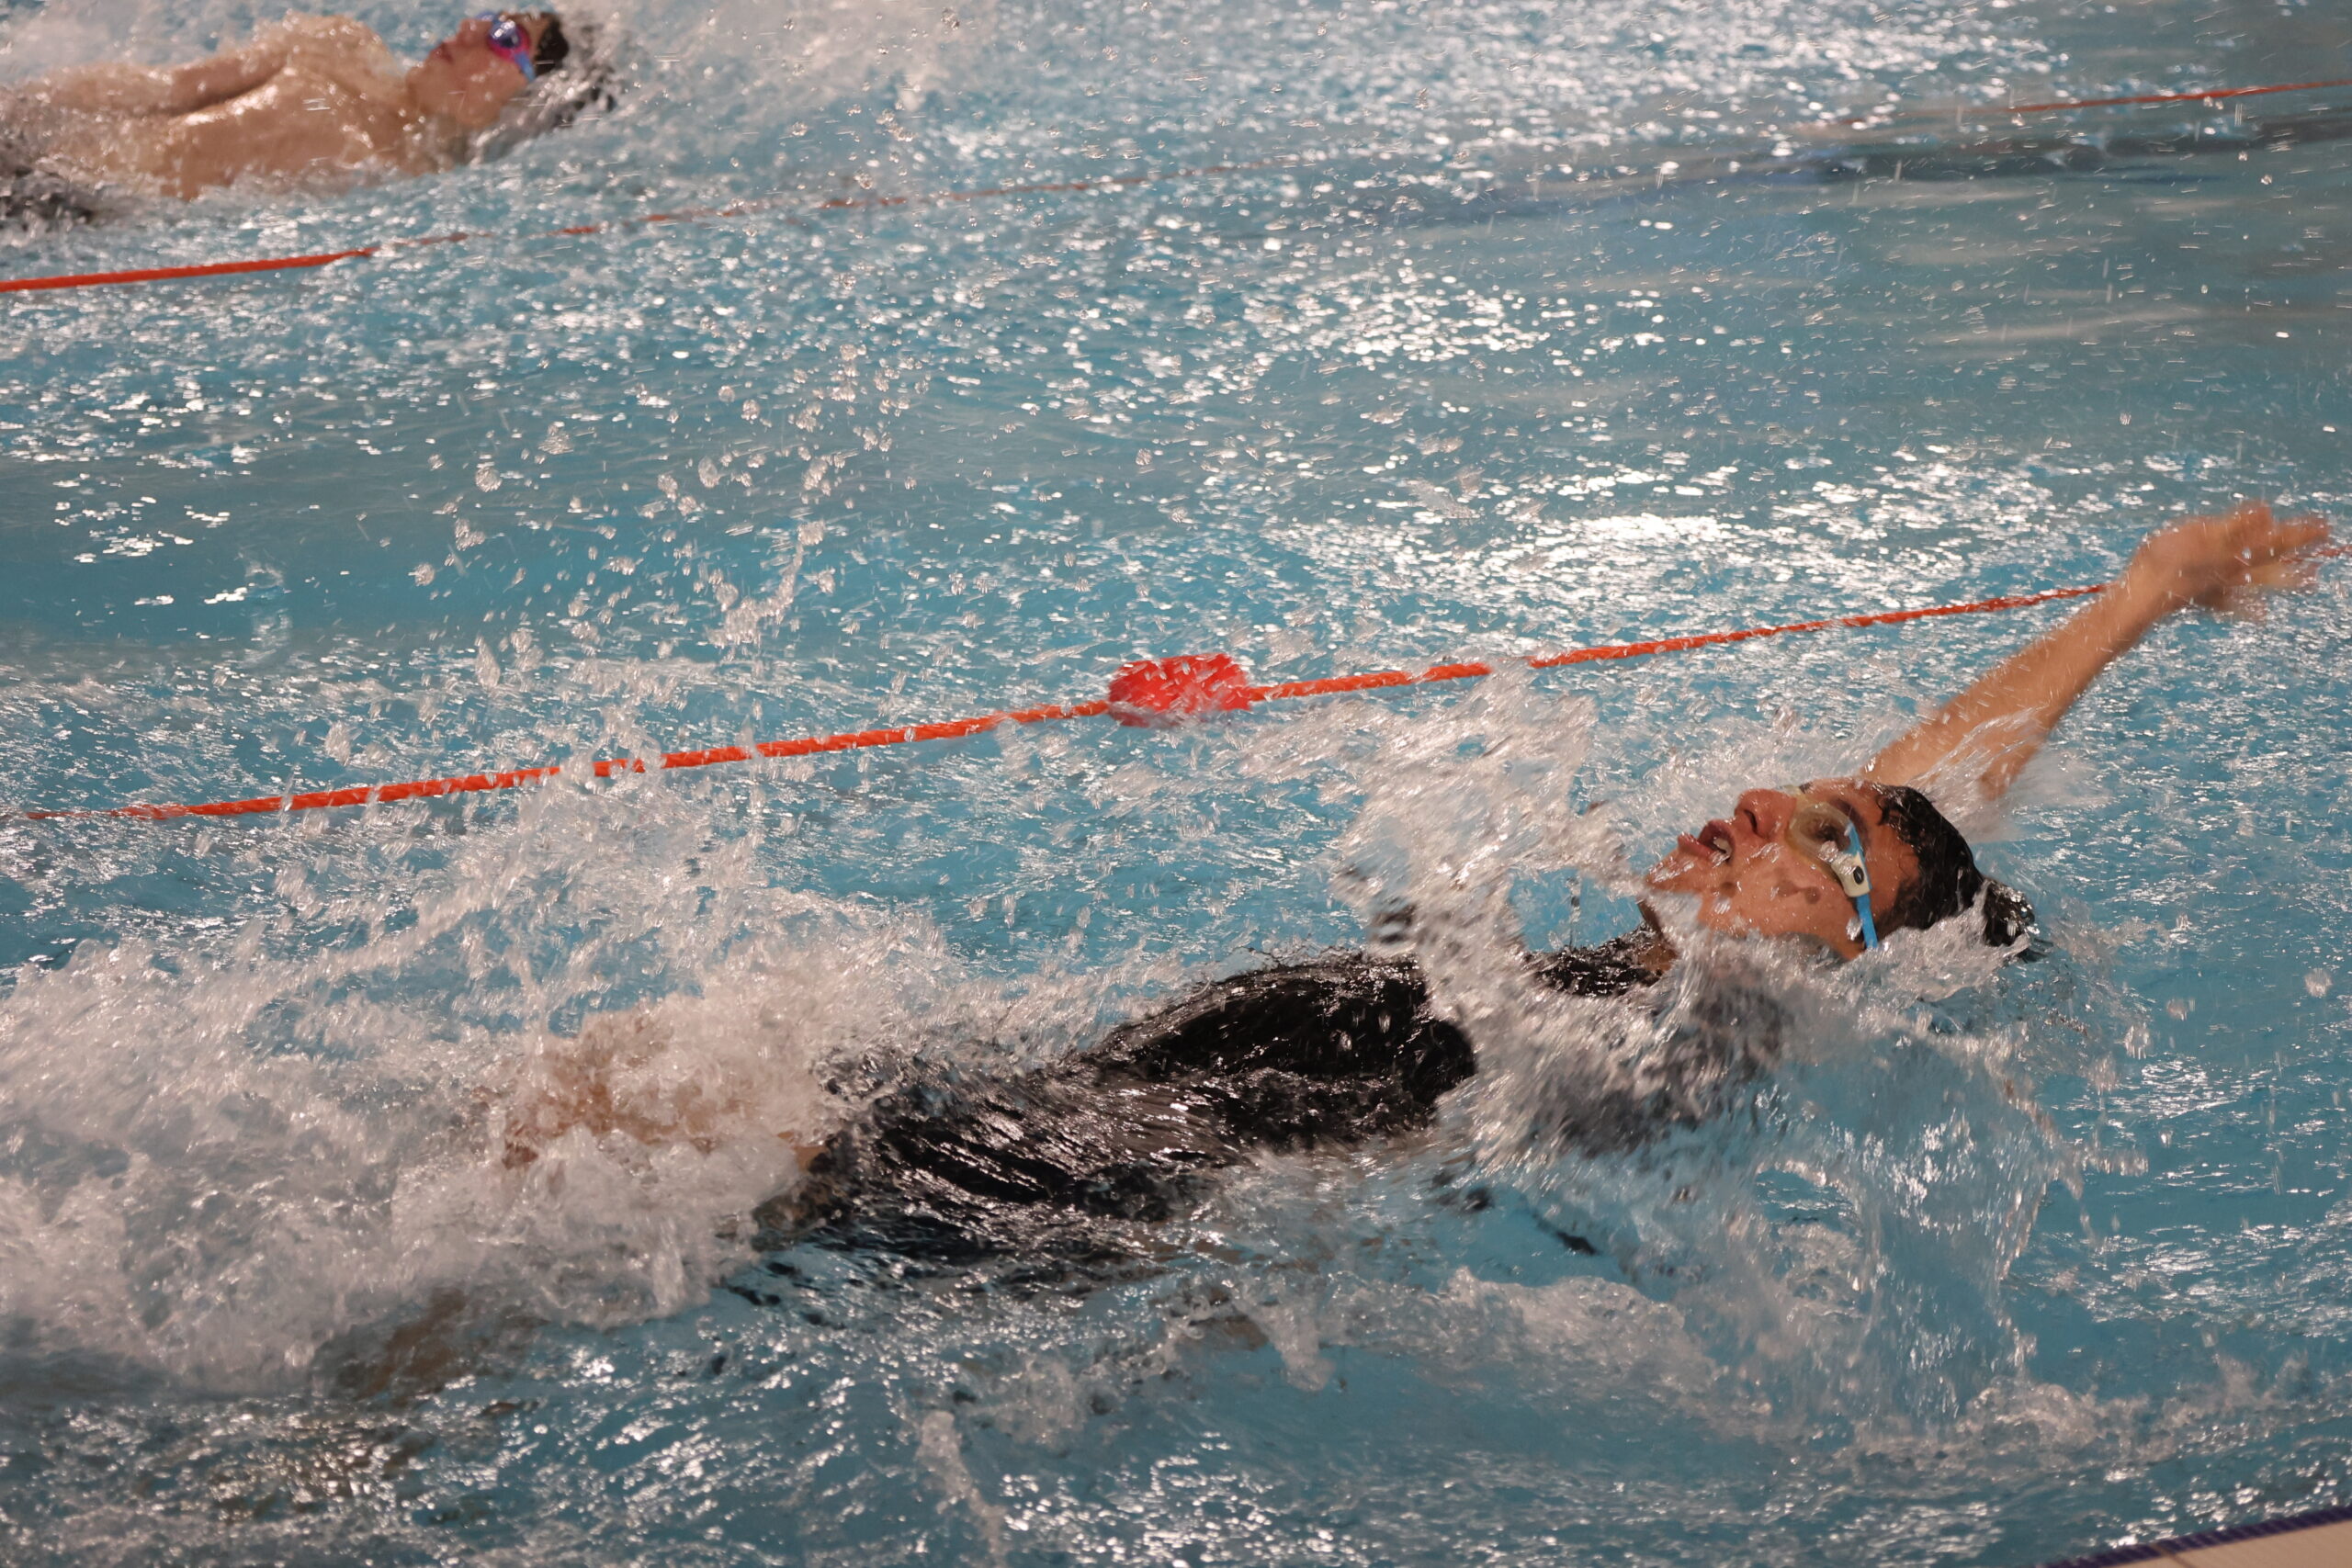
(1950, 880)
(554, 47)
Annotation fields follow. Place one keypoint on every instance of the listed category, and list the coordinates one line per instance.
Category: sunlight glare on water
(1517, 329)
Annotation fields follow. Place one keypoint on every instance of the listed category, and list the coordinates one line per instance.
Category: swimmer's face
(1750, 881)
(465, 80)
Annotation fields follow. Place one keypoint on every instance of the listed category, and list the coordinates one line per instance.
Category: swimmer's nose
(1766, 812)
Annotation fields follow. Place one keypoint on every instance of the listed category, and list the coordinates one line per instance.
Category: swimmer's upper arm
(110, 88)
(338, 41)
(1985, 737)
(231, 72)
(121, 88)
(139, 91)
(216, 79)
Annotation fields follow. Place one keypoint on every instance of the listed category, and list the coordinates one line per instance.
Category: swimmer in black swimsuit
(1348, 1048)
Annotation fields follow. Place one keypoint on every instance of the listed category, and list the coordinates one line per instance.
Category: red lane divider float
(936, 198)
(1156, 692)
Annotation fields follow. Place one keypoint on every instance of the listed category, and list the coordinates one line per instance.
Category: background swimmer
(314, 102)
(1349, 1047)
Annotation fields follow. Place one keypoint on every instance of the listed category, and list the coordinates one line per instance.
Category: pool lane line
(940, 198)
(1152, 692)
(2213, 96)
(683, 215)
(1994, 111)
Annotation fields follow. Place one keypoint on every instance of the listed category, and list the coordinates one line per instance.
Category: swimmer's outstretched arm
(136, 91)
(1985, 736)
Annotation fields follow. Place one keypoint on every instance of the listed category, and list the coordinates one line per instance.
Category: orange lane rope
(1150, 692)
(2209, 95)
(936, 198)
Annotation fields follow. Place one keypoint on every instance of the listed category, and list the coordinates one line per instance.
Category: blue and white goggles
(1827, 832)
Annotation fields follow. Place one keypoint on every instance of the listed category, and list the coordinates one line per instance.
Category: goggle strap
(1853, 874)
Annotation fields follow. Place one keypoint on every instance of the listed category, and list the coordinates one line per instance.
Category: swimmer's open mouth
(1714, 839)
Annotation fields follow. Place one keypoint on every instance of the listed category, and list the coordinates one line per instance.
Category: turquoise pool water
(1555, 326)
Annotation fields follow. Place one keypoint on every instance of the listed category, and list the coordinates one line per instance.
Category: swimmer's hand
(2224, 562)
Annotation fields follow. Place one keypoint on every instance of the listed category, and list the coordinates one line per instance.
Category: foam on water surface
(1997, 1264)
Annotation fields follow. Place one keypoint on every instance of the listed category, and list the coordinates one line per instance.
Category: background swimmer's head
(1749, 878)
(465, 80)
(577, 71)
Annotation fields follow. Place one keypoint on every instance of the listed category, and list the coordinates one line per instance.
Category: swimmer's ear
(2008, 916)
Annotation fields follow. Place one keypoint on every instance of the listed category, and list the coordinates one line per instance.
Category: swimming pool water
(1543, 327)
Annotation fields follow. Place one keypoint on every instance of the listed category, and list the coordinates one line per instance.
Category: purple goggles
(510, 42)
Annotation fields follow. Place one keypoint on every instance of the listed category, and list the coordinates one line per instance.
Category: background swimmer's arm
(116, 88)
(1987, 734)
(111, 88)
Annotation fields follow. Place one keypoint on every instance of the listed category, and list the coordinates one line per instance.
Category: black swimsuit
(1327, 1053)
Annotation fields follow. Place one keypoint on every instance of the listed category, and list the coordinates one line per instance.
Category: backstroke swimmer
(1348, 1048)
(310, 103)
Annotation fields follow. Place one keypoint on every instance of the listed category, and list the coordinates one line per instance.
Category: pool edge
(2176, 1548)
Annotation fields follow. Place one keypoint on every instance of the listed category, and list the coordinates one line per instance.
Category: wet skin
(466, 80)
(1750, 881)
(313, 101)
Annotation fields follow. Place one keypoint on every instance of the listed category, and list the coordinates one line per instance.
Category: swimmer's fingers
(2209, 560)
(2273, 555)
(2290, 573)
(2250, 600)
(2266, 537)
